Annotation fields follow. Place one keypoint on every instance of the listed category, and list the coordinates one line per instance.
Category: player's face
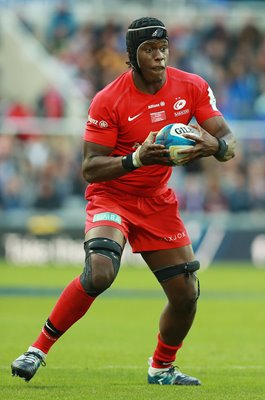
(152, 59)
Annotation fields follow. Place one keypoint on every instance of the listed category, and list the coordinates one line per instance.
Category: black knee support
(166, 273)
(105, 247)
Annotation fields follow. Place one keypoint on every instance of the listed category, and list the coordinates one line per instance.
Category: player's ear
(151, 137)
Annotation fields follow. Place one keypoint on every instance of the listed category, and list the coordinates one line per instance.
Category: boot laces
(30, 357)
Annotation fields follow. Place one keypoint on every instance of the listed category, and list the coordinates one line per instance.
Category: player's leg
(180, 288)
(103, 248)
(175, 270)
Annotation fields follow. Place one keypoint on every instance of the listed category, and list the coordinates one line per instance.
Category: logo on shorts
(107, 216)
(176, 237)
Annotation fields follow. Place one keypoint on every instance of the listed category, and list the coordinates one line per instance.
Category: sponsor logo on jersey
(134, 117)
(107, 216)
(180, 103)
(158, 116)
(92, 120)
(161, 104)
(103, 124)
(182, 112)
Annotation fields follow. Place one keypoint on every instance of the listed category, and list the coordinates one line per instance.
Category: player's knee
(102, 274)
(183, 302)
(188, 297)
(101, 265)
(188, 302)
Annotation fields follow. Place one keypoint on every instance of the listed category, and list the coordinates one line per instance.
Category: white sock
(153, 371)
(38, 351)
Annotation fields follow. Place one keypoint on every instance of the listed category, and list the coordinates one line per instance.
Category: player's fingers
(186, 151)
(193, 136)
(151, 137)
(196, 127)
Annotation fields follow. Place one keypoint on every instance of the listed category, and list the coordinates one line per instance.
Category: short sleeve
(205, 102)
(101, 127)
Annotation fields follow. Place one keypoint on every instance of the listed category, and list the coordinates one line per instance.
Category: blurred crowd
(44, 172)
(231, 59)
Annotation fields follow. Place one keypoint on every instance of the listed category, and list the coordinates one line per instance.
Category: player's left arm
(225, 142)
(213, 138)
(214, 135)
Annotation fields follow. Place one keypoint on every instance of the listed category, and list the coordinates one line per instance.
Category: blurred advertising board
(46, 240)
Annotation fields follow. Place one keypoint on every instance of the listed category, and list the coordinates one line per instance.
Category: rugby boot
(170, 376)
(26, 365)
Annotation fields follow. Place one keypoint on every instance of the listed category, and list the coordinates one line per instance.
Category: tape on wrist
(136, 158)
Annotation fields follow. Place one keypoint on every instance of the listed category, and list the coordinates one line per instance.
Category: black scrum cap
(141, 30)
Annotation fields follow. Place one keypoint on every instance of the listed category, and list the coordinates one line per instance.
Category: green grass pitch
(104, 356)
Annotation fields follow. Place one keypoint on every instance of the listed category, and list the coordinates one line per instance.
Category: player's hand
(151, 153)
(206, 145)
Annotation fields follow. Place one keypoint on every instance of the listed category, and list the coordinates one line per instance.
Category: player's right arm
(98, 164)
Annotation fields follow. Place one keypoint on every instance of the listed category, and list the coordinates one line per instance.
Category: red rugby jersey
(120, 116)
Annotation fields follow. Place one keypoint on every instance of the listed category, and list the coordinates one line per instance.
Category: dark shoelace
(31, 357)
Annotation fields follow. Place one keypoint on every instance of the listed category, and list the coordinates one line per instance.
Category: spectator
(51, 104)
(17, 112)
(62, 26)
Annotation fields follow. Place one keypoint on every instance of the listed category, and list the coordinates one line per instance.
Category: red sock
(70, 307)
(164, 354)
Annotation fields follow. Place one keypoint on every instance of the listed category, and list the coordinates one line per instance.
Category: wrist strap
(132, 161)
(223, 146)
(127, 162)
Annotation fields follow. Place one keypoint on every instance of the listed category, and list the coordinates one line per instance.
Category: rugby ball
(171, 137)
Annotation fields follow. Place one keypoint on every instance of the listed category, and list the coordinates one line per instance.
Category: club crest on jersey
(180, 103)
